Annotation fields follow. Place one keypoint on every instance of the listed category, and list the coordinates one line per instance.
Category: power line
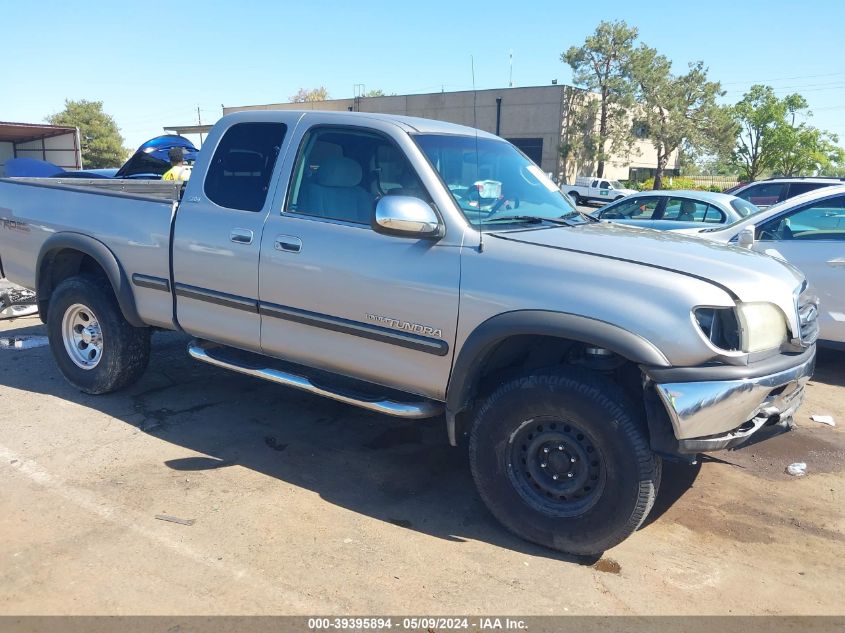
(807, 88)
(760, 81)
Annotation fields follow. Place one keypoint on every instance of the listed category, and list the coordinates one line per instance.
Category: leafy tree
(760, 115)
(378, 92)
(102, 144)
(677, 111)
(308, 96)
(601, 65)
(805, 150)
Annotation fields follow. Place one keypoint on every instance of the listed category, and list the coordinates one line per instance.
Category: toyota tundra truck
(421, 269)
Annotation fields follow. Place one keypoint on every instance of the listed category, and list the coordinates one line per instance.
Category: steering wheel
(499, 203)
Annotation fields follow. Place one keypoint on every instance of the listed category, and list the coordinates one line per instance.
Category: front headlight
(749, 327)
(762, 326)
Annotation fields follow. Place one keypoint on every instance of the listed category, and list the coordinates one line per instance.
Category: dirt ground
(302, 506)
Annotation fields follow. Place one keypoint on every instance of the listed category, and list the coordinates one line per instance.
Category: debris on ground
(824, 419)
(172, 519)
(23, 342)
(17, 302)
(798, 469)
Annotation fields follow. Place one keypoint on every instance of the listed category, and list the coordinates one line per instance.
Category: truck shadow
(400, 472)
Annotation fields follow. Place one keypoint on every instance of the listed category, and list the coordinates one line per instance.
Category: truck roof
(409, 123)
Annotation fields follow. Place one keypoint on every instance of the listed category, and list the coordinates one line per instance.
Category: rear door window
(797, 188)
(242, 166)
(687, 210)
(764, 194)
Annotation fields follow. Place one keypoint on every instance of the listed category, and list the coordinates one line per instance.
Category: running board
(203, 351)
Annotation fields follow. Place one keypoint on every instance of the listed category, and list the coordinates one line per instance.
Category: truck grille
(808, 313)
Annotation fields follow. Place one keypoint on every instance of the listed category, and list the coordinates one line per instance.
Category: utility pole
(199, 122)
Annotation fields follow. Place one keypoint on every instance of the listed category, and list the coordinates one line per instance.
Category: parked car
(676, 209)
(765, 193)
(348, 255)
(587, 189)
(808, 231)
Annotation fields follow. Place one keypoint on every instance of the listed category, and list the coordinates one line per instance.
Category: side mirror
(745, 239)
(406, 216)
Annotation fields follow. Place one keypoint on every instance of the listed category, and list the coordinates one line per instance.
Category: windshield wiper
(532, 219)
(587, 216)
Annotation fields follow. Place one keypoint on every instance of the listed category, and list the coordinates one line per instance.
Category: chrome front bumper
(711, 415)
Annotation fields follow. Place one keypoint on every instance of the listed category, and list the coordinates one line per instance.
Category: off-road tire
(566, 403)
(125, 349)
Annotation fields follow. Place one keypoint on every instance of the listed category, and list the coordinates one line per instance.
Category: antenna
(510, 72)
(477, 166)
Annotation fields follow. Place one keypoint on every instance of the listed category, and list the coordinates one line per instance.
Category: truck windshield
(493, 182)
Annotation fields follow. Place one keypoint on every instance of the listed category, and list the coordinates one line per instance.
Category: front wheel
(96, 349)
(560, 459)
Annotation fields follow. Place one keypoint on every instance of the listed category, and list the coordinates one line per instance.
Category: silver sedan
(676, 209)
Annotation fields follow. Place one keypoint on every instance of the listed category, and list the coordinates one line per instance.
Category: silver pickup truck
(420, 269)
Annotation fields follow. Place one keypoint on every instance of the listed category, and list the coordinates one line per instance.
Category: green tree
(761, 117)
(676, 111)
(377, 92)
(805, 150)
(308, 96)
(102, 144)
(601, 66)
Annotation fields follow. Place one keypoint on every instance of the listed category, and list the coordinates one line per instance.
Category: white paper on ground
(824, 419)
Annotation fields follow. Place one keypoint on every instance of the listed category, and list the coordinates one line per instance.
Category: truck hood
(747, 275)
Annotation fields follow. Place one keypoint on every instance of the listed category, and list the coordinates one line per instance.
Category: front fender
(470, 360)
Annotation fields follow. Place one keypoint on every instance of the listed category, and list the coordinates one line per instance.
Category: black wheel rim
(555, 466)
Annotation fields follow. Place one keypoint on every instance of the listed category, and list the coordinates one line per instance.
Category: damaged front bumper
(716, 408)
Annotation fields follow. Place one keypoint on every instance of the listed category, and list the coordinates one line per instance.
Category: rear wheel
(576, 197)
(560, 458)
(96, 349)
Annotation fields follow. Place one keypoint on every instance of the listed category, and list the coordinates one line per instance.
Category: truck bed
(134, 227)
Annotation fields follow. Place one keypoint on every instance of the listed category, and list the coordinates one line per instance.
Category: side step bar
(200, 350)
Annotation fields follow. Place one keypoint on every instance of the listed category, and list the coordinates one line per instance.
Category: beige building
(540, 120)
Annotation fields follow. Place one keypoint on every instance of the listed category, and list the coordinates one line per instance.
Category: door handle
(836, 262)
(288, 244)
(241, 236)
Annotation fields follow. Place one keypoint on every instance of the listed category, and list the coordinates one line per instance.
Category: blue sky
(153, 63)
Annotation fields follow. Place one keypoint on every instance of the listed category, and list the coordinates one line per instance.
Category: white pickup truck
(588, 189)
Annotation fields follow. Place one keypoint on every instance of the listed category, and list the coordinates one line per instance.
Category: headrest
(687, 206)
(243, 162)
(339, 172)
